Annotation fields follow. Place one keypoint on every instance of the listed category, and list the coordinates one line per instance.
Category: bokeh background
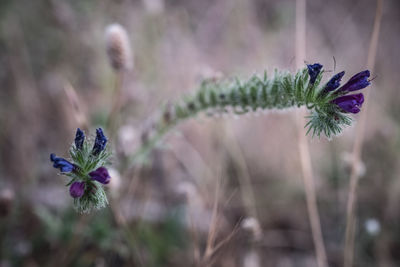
(161, 212)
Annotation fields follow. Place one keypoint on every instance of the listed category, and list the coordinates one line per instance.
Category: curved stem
(283, 90)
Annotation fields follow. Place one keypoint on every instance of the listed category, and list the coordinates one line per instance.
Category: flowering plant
(86, 170)
(329, 104)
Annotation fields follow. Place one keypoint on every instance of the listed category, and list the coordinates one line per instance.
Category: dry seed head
(118, 47)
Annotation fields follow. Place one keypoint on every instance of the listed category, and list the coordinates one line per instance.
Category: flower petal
(349, 103)
(101, 175)
(100, 142)
(334, 82)
(61, 163)
(313, 71)
(77, 189)
(79, 138)
(357, 82)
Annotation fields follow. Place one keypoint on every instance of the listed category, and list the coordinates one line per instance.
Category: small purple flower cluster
(346, 103)
(101, 175)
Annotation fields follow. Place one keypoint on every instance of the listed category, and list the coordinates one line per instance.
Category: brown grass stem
(76, 105)
(116, 105)
(212, 234)
(357, 148)
(246, 188)
(305, 157)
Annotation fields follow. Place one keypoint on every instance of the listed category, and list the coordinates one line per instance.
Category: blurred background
(55, 77)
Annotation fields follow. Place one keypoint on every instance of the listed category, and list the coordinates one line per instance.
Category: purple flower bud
(61, 163)
(334, 82)
(357, 82)
(77, 189)
(313, 71)
(100, 175)
(100, 142)
(350, 103)
(79, 138)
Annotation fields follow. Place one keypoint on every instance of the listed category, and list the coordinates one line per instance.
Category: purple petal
(101, 175)
(77, 189)
(313, 71)
(357, 82)
(61, 163)
(350, 103)
(334, 82)
(100, 142)
(79, 138)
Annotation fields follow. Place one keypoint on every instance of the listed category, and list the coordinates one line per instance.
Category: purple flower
(357, 82)
(100, 142)
(100, 175)
(61, 163)
(350, 103)
(79, 138)
(334, 82)
(77, 189)
(313, 71)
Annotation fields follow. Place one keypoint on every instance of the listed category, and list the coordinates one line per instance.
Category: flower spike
(329, 111)
(86, 171)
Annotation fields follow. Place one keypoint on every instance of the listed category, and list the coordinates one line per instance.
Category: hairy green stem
(282, 91)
